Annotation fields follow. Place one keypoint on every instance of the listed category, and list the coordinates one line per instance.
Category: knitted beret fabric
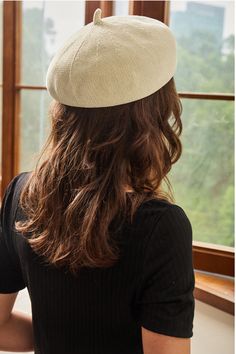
(111, 61)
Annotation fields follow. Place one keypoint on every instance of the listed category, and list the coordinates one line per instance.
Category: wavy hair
(90, 158)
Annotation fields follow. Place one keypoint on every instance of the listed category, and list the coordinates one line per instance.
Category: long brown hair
(91, 154)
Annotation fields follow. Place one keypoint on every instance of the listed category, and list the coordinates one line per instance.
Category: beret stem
(97, 16)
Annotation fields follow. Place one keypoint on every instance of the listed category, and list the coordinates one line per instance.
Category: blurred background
(203, 178)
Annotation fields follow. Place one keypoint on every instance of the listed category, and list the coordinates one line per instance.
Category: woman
(103, 250)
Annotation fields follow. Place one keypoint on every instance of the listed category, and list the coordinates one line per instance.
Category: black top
(102, 311)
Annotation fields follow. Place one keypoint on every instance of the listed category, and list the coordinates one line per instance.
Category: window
(203, 178)
(45, 26)
(205, 40)
(120, 8)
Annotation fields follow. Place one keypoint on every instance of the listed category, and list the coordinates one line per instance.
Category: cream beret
(111, 61)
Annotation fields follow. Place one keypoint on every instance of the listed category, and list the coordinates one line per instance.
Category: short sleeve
(11, 279)
(166, 303)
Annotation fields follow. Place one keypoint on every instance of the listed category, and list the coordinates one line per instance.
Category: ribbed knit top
(102, 310)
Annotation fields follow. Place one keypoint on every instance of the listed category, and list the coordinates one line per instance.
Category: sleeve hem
(11, 290)
(172, 332)
(11, 284)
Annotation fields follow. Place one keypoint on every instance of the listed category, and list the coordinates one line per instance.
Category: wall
(213, 331)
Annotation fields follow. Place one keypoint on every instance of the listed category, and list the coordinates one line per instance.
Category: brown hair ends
(90, 156)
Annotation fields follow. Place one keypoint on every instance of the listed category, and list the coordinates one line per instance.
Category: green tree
(203, 178)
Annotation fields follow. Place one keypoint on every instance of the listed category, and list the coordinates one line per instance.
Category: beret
(111, 61)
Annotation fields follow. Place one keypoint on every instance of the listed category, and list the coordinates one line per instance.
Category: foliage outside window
(203, 179)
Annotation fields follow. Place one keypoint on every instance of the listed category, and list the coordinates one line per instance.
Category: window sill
(213, 258)
(215, 290)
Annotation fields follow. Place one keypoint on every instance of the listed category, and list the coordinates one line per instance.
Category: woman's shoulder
(162, 216)
(17, 181)
(165, 231)
(159, 207)
(12, 193)
(13, 186)
(22, 177)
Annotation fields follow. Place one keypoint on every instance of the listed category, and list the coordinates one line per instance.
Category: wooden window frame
(207, 257)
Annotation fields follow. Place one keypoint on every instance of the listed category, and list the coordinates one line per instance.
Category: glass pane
(120, 8)
(205, 42)
(46, 25)
(203, 178)
(35, 126)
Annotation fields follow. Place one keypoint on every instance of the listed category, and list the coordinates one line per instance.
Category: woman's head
(91, 155)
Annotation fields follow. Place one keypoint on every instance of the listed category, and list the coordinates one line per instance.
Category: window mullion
(10, 116)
